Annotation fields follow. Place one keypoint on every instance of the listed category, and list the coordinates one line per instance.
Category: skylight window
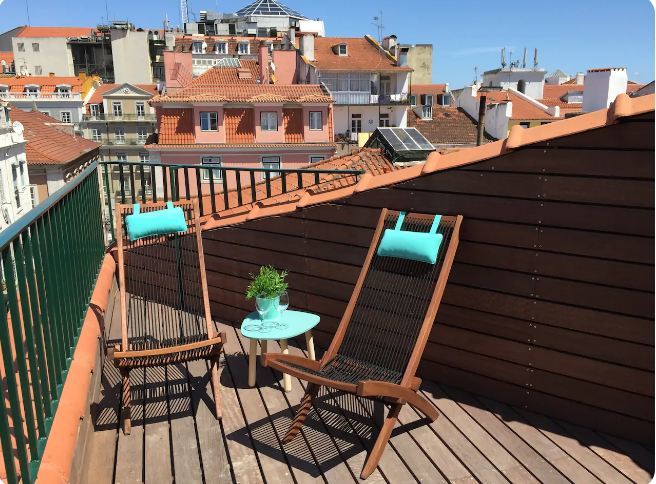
(342, 49)
(269, 8)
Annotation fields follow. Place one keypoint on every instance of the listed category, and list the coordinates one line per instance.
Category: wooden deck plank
(641, 456)
(520, 450)
(533, 437)
(186, 452)
(502, 460)
(271, 457)
(158, 450)
(604, 449)
(326, 452)
(129, 456)
(588, 459)
(215, 461)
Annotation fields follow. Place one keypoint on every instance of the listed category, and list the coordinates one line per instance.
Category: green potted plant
(266, 287)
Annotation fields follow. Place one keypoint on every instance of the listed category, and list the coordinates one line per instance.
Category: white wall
(131, 57)
(602, 87)
(12, 153)
(370, 117)
(54, 108)
(497, 116)
(509, 79)
(54, 56)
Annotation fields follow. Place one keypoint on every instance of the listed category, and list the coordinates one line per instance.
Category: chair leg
(381, 441)
(216, 386)
(126, 402)
(302, 412)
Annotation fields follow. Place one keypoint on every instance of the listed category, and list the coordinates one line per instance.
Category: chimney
(389, 43)
(263, 60)
(307, 46)
(602, 86)
(482, 106)
(292, 37)
(580, 78)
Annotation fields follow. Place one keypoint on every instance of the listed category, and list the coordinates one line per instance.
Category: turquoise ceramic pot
(271, 307)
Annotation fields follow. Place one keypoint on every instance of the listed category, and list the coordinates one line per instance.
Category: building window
(144, 157)
(32, 91)
(384, 120)
(35, 47)
(95, 134)
(117, 109)
(38, 70)
(544, 122)
(221, 48)
(426, 99)
(119, 136)
(122, 156)
(413, 100)
(356, 123)
(141, 108)
(316, 120)
(197, 47)
(65, 117)
(209, 121)
(94, 110)
(269, 121)
(63, 91)
(385, 85)
(47, 113)
(427, 112)
(341, 49)
(142, 134)
(243, 48)
(521, 86)
(316, 159)
(21, 46)
(14, 174)
(217, 175)
(525, 124)
(158, 72)
(271, 162)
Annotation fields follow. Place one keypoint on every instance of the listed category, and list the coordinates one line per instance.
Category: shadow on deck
(175, 437)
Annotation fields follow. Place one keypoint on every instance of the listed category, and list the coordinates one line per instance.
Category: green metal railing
(50, 260)
(221, 187)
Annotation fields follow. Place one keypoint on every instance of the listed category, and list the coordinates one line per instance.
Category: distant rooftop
(269, 8)
(55, 31)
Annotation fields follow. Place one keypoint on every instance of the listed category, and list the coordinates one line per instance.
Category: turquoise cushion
(159, 222)
(419, 246)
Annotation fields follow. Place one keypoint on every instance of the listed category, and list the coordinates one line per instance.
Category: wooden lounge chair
(165, 311)
(381, 337)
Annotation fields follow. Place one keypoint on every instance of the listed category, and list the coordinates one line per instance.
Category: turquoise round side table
(290, 325)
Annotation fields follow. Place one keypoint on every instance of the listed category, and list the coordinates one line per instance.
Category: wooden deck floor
(175, 437)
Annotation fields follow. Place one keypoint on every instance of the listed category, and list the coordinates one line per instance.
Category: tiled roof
(47, 84)
(553, 95)
(449, 126)
(7, 56)
(364, 54)
(229, 75)
(248, 93)
(521, 108)
(622, 107)
(434, 89)
(97, 96)
(56, 32)
(176, 126)
(48, 144)
(370, 160)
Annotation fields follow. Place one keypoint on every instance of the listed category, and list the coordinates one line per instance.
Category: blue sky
(571, 35)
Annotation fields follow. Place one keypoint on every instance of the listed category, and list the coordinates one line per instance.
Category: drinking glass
(283, 304)
(261, 306)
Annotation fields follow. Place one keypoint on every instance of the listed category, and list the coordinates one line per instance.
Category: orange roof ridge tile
(514, 139)
(363, 184)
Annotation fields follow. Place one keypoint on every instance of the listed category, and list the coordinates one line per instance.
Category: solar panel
(269, 8)
(406, 143)
(419, 138)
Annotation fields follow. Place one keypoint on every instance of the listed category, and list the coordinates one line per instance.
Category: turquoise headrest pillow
(404, 244)
(159, 222)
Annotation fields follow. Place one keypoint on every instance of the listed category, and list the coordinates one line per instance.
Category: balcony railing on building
(357, 97)
(37, 96)
(101, 117)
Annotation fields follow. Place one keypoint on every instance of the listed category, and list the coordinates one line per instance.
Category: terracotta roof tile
(7, 56)
(56, 32)
(364, 54)
(97, 96)
(47, 84)
(449, 126)
(248, 93)
(176, 126)
(521, 108)
(48, 144)
(228, 75)
(434, 89)
(622, 107)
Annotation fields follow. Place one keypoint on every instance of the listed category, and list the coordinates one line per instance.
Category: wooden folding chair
(165, 310)
(382, 335)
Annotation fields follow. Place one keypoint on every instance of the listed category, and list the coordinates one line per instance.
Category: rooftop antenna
(503, 57)
(106, 12)
(27, 9)
(535, 59)
(378, 22)
(184, 12)
(524, 61)
(475, 74)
